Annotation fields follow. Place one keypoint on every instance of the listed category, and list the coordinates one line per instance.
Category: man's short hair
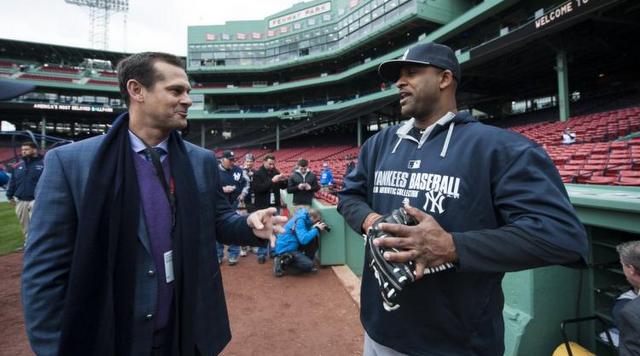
(139, 67)
(269, 156)
(314, 214)
(30, 144)
(630, 253)
(303, 162)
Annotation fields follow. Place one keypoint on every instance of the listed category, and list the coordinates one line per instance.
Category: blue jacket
(4, 178)
(50, 249)
(326, 177)
(25, 178)
(298, 231)
(501, 198)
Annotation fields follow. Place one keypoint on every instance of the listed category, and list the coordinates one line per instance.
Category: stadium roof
(50, 53)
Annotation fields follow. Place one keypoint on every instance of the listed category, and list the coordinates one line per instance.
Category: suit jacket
(629, 326)
(49, 251)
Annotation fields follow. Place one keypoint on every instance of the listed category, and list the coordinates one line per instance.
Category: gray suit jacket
(49, 251)
(629, 327)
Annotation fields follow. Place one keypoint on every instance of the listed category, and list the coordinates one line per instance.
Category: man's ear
(135, 90)
(446, 79)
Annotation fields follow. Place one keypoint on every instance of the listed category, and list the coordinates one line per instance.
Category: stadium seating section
(102, 82)
(595, 158)
(57, 73)
(29, 76)
(600, 155)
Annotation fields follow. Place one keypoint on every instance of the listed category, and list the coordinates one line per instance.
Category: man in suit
(121, 256)
(628, 317)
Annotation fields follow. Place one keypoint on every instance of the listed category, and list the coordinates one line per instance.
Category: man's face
(419, 90)
(167, 101)
(303, 169)
(630, 273)
(269, 164)
(228, 163)
(248, 164)
(28, 151)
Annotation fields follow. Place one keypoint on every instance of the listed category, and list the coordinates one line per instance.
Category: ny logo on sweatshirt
(435, 199)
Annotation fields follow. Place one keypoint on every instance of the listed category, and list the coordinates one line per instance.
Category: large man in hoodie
(488, 201)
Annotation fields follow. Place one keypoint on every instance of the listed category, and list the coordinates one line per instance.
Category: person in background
(247, 206)
(266, 184)
(326, 177)
(4, 178)
(22, 185)
(350, 165)
(291, 246)
(626, 310)
(302, 184)
(235, 185)
(568, 137)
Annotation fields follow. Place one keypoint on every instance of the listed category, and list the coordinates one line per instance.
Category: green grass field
(10, 233)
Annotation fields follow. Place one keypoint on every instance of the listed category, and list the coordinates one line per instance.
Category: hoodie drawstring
(397, 144)
(446, 140)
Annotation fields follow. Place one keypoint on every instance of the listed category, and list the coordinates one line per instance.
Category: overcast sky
(152, 25)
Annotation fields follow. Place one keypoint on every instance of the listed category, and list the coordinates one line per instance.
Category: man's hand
(266, 224)
(321, 226)
(278, 177)
(427, 244)
(12, 202)
(228, 188)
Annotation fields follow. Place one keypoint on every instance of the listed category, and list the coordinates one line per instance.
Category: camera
(327, 228)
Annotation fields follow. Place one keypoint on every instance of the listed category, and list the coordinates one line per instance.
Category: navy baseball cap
(432, 54)
(228, 155)
(10, 89)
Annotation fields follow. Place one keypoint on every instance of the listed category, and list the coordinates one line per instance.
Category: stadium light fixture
(99, 14)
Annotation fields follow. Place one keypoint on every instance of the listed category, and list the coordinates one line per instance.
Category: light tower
(99, 12)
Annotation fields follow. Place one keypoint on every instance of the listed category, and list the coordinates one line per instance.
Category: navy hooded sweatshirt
(503, 201)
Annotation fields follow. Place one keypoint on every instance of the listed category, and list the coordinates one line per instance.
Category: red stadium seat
(628, 181)
(601, 180)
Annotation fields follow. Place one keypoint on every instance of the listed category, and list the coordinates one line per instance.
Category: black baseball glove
(392, 277)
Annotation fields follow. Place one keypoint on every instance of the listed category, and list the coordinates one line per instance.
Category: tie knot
(158, 150)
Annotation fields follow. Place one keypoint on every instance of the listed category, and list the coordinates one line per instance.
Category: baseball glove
(392, 277)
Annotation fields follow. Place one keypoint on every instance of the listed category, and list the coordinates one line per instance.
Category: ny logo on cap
(404, 56)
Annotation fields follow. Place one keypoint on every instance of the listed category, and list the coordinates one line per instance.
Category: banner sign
(65, 107)
(299, 15)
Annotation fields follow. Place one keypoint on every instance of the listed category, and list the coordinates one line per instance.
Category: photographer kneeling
(297, 245)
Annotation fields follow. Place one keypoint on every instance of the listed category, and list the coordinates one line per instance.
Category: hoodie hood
(447, 122)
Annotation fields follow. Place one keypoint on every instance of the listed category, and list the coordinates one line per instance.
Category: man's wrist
(452, 255)
(369, 220)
